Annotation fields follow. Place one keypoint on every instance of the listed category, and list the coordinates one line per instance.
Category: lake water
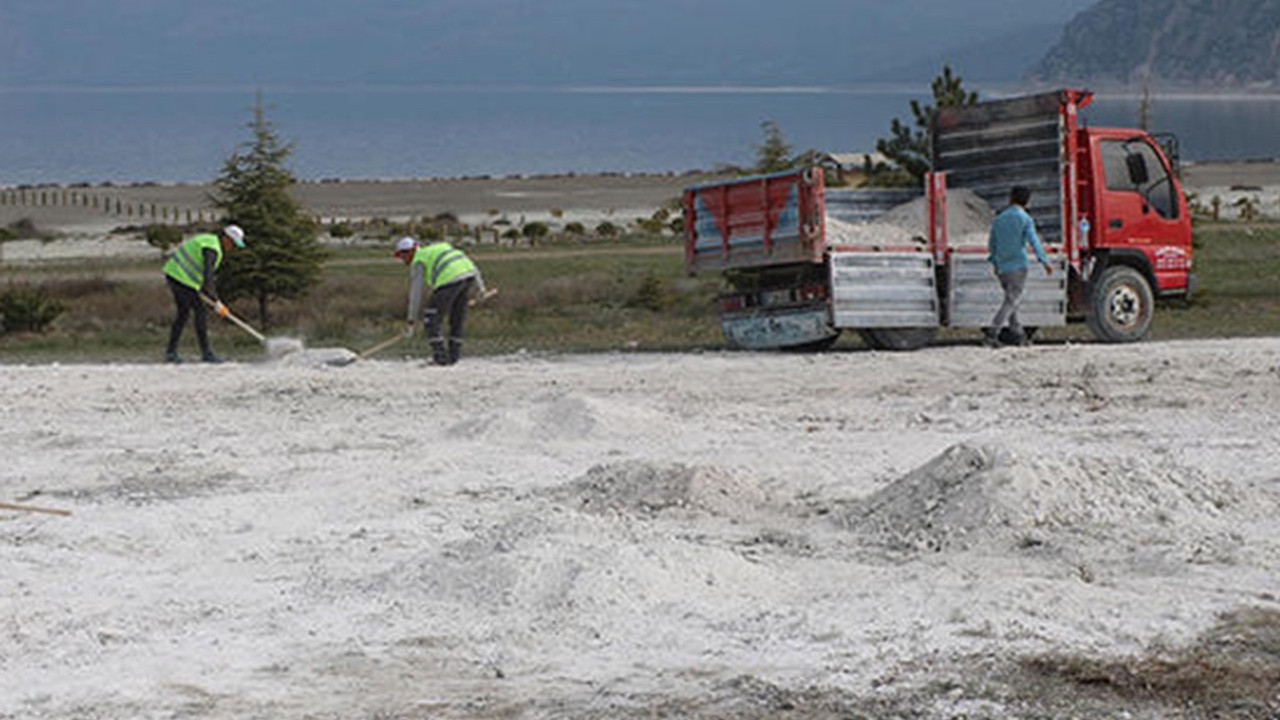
(172, 135)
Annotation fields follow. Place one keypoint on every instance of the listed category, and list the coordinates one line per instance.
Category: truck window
(1158, 188)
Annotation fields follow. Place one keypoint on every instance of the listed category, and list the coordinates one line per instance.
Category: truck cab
(1136, 207)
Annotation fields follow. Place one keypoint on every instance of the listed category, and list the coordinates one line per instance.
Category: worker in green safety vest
(450, 276)
(192, 271)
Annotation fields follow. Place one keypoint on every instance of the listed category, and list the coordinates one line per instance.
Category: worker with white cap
(192, 271)
(449, 275)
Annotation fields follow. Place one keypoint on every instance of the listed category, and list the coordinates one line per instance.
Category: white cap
(405, 244)
(235, 233)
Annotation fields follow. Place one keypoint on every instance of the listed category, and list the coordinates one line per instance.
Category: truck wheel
(1120, 305)
(898, 338)
(815, 346)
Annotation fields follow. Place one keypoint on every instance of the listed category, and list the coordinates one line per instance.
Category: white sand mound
(313, 357)
(975, 495)
(648, 489)
(556, 416)
(968, 220)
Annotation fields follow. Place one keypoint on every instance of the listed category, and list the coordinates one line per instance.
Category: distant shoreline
(587, 198)
(619, 197)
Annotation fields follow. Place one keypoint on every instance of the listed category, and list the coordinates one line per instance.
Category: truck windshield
(1157, 187)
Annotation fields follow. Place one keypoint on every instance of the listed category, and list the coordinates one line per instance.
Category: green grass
(1238, 271)
(569, 296)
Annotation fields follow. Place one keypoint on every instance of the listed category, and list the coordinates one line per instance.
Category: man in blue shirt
(1011, 231)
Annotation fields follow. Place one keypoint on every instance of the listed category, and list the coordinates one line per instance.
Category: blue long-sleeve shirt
(1011, 231)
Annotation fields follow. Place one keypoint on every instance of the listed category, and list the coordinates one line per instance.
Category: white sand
(583, 536)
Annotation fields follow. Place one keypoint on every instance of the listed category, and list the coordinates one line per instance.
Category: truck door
(1141, 209)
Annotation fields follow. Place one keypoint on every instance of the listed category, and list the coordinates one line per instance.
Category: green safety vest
(442, 263)
(186, 265)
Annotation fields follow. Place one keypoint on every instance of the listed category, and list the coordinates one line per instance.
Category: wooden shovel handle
(33, 508)
(231, 316)
(380, 346)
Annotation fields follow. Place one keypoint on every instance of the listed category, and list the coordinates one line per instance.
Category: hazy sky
(130, 42)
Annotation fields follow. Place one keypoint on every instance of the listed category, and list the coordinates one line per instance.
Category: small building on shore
(841, 165)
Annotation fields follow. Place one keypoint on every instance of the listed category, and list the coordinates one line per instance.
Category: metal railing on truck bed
(990, 147)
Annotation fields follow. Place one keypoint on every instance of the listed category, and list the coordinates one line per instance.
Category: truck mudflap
(883, 290)
(974, 293)
(778, 328)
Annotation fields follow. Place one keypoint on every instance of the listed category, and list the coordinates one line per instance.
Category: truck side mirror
(1137, 166)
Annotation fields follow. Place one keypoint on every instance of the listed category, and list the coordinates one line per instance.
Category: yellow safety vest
(442, 264)
(186, 265)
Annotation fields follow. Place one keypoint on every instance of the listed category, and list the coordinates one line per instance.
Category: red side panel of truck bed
(750, 222)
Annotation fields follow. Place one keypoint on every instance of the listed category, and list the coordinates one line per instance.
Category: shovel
(213, 305)
(275, 347)
(482, 297)
(33, 509)
(370, 352)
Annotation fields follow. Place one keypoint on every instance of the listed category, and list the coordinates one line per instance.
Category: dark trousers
(188, 303)
(448, 303)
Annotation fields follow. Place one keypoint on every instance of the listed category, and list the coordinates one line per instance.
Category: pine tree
(909, 147)
(774, 155)
(284, 257)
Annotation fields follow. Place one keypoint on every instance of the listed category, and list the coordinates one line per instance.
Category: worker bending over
(449, 275)
(192, 271)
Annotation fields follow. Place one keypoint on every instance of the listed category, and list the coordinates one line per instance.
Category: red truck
(1107, 204)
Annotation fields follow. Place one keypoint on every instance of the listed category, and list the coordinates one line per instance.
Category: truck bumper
(777, 329)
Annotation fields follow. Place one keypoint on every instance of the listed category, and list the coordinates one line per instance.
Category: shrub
(535, 230)
(575, 228)
(651, 295)
(162, 237)
(650, 226)
(606, 229)
(27, 308)
(341, 230)
(24, 229)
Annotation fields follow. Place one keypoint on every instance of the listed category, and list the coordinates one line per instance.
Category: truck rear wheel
(898, 338)
(1120, 305)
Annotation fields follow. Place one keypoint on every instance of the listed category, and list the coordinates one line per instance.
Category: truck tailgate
(754, 221)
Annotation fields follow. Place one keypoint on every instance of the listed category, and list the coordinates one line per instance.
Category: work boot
(1010, 337)
(439, 351)
(173, 357)
(210, 358)
(990, 338)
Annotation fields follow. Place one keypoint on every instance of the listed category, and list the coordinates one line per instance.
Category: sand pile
(984, 496)
(646, 489)
(968, 220)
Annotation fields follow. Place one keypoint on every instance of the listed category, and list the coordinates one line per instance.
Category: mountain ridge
(1202, 44)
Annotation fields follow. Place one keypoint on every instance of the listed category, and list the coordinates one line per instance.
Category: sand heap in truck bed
(968, 221)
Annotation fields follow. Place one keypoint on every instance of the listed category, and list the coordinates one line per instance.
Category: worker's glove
(409, 328)
(221, 309)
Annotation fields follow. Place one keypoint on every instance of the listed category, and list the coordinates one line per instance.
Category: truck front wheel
(1120, 305)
